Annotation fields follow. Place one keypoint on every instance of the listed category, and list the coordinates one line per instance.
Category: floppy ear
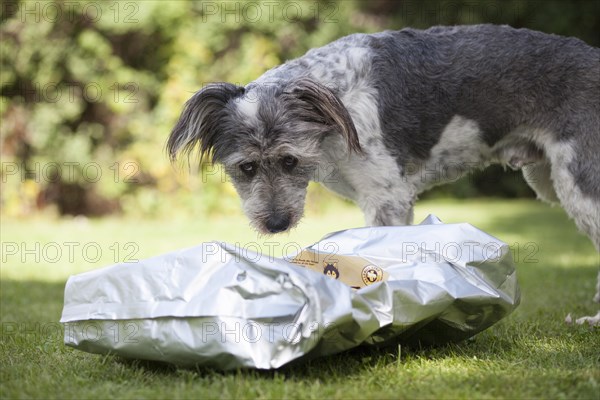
(326, 108)
(199, 121)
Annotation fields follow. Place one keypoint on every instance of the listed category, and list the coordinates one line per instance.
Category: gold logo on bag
(371, 274)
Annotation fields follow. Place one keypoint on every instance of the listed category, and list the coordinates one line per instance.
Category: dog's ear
(199, 121)
(326, 108)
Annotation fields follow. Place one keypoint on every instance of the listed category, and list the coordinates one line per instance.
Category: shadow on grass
(33, 302)
(548, 226)
(532, 348)
(342, 365)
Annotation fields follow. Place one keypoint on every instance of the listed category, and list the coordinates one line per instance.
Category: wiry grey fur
(394, 112)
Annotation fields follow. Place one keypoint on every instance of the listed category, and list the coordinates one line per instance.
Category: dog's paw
(592, 321)
(569, 319)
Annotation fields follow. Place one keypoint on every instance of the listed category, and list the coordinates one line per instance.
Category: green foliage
(95, 87)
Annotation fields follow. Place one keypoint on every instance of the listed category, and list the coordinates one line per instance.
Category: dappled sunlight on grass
(531, 353)
(52, 249)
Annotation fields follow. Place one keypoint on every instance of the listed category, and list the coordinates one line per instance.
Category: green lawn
(531, 354)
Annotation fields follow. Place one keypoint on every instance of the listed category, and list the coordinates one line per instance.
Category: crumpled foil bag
(226, 307)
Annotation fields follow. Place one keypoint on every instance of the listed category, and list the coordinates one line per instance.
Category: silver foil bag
(225, 307)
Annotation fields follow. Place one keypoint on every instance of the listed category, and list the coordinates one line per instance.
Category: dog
(379, 118)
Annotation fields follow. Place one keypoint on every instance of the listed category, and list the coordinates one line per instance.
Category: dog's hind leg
(575, 174)
(538, 177)
(595, 320)
(574, 183)
(534, 164)
(597, 297)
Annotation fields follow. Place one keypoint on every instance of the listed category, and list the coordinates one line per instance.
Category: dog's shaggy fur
(379, 118)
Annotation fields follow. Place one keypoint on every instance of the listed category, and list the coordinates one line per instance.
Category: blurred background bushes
(90, 90)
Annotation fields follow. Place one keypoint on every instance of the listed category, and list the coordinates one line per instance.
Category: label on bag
(352, 270)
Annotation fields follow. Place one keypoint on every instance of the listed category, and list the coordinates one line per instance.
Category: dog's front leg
(380, 191)
(382, 210)
(374, 182)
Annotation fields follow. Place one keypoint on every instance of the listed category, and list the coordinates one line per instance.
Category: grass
(530, 354)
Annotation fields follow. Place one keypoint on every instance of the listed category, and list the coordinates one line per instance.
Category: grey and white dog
(379, 118)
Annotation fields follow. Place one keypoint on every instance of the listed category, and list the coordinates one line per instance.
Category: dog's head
(268, 138)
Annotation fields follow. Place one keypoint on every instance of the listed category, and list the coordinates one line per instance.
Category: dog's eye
(249, 168)
(289, 162)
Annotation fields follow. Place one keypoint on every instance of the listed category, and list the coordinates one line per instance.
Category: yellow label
(351, 270)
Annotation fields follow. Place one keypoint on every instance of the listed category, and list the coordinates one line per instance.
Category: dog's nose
(278, 223)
